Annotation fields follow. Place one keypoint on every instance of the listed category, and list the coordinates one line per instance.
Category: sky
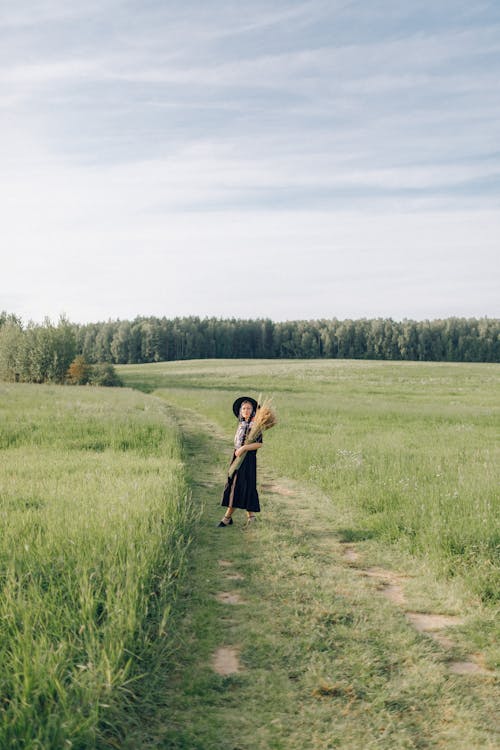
(294, 159)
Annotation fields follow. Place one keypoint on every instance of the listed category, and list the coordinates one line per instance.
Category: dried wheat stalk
(264, 419)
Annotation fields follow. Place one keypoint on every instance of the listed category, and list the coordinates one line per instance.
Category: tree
(79, 371)
(43, 353)
(105, 374)
(120, 343)
(12, 345)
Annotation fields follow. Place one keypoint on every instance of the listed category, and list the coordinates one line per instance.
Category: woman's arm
(249, 447)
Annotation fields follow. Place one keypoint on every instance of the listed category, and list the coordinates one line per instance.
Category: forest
(38, 353)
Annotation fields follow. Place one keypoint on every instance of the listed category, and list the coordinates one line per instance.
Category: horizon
(63, 317)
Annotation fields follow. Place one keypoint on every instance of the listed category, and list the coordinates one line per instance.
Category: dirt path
(284, 638)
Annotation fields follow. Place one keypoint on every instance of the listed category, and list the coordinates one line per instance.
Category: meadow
(407, 452)
(109, 615)
(379, 496)
(95, 521)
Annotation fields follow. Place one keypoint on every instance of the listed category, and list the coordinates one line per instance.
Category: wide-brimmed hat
(239, 401)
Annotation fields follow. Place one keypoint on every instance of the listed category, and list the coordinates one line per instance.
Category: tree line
(48, 353)
(44, 352)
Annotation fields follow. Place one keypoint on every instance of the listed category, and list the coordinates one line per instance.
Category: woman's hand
(241, 450)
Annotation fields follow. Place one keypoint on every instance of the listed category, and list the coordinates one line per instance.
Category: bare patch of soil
(431, 624)
(382, 574)
(225, 563)
(468, 667)
(235, 577)
(277, 489)
(427, 623)
(350, 554)
(390, 583)
(225, 661)
(228, 597)
(394, 593)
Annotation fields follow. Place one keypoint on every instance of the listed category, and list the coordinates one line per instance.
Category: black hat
(239, 401)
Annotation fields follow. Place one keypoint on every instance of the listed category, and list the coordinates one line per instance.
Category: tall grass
(94, 527)
(407, 452)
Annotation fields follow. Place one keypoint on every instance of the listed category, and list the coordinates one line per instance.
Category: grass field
(409, 453)
(314, 609)
(109, 619)
(94, 522)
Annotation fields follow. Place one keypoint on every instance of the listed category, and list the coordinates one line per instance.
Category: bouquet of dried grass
(264, 419)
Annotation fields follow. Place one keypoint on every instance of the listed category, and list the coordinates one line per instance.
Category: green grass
(326, 661)
(94, 530)
(407, 452)
(103, 644)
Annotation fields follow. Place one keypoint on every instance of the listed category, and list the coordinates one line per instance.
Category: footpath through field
(283, 639)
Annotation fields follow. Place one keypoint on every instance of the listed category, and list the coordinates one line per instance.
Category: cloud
(51, 72)
(36, 13)
(347, 148)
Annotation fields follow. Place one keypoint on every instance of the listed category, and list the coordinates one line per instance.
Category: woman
(241, 489)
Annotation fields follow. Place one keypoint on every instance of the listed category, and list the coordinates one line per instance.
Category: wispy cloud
(122, 125)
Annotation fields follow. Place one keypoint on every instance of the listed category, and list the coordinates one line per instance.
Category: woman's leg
(251, 518)
(226, 519)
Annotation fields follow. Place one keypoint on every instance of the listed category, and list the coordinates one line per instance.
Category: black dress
(241, 489)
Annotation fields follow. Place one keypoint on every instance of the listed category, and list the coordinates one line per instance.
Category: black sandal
(229, 523)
